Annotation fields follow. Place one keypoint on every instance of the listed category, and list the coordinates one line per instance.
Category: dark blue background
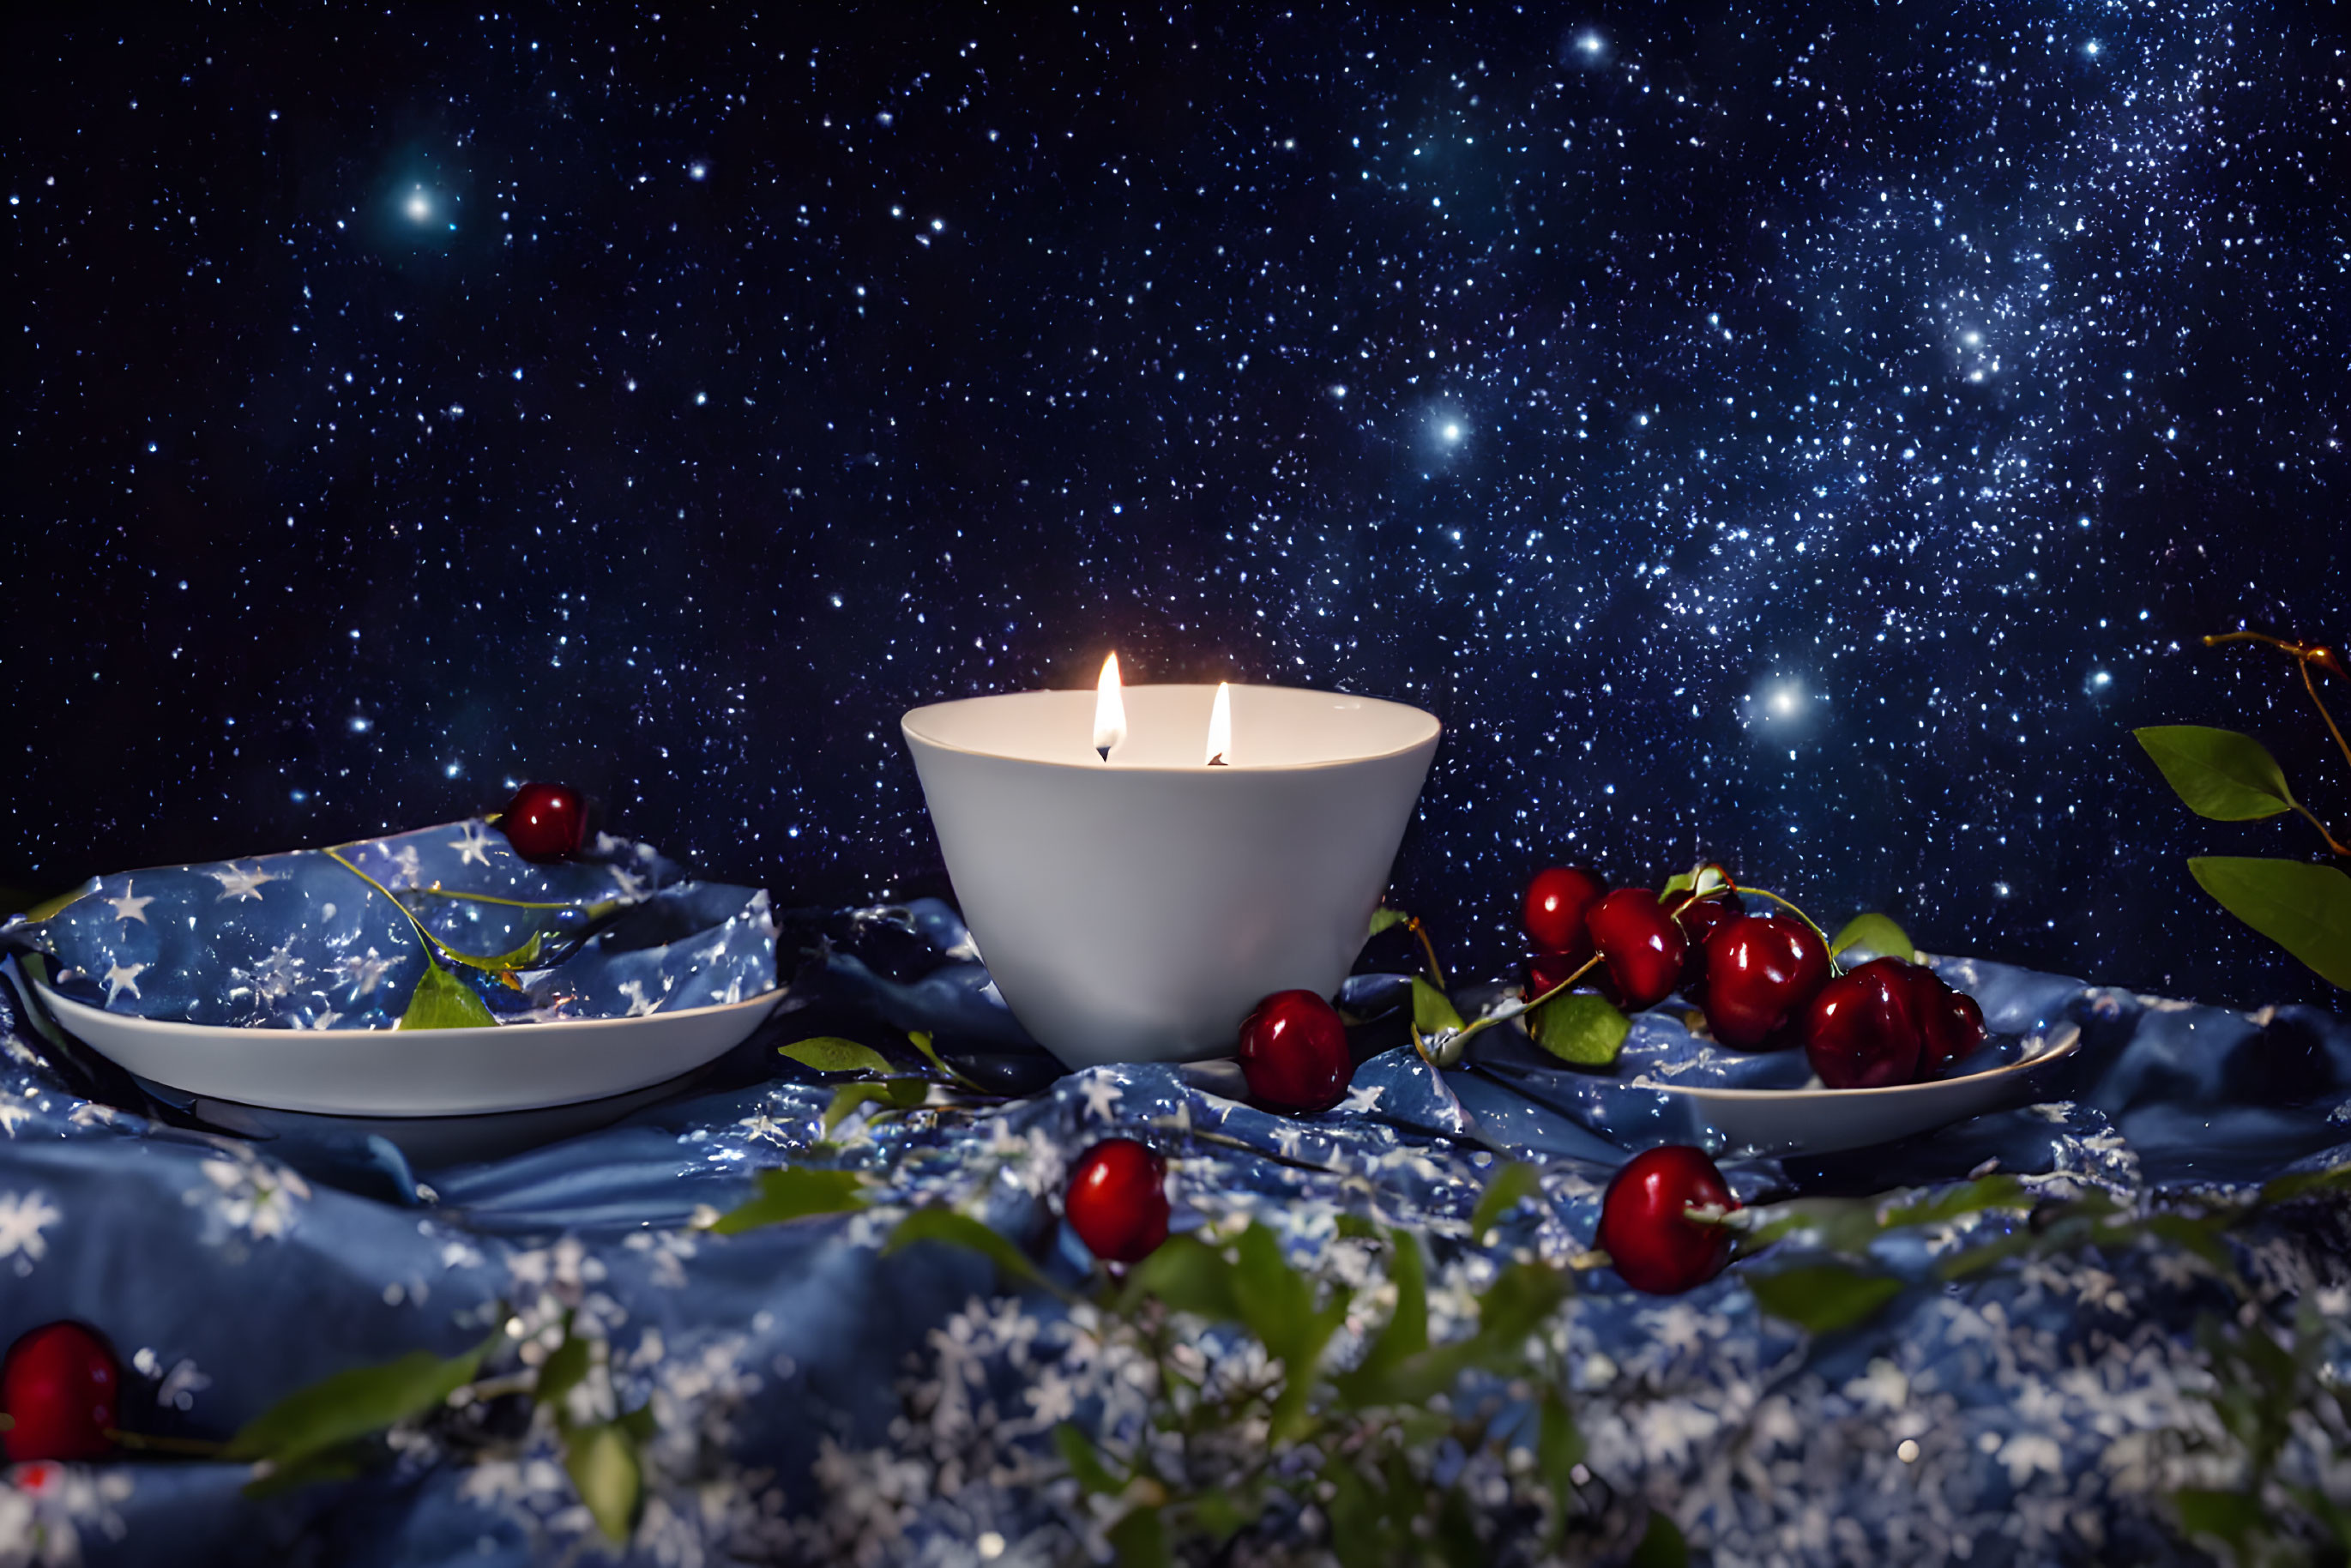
(1935, 376)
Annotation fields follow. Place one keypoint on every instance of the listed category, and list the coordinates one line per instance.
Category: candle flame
(1220, 726)
(1109, 710)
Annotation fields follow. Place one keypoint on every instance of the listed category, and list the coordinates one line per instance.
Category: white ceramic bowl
(1822, 1121)
(415, 1072)
(1135, 910)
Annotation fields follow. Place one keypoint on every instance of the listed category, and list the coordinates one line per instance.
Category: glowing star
(122, 977)
(129, 908)
(241, 884)
(419, 208)
(1451, 432)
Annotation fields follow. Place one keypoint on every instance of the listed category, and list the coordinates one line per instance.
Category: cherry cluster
(1764, 981)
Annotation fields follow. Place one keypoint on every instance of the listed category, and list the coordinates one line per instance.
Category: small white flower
(21, 1218)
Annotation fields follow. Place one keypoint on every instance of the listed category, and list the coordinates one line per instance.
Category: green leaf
(1276, 1302)
(1432, 1010)
(957, 1229)
(1521, 1296)
(1403, 1336)
(1999, 1190)
(1139, 1539)
(1383, 917)
(920, 1040)
(1877, 934)
(522, 957)
(1822, 1298)
(1702, 879)
(900, 1093)
(1508, 1187)
(639, 1424)
(1223, 1515)
(565, 1367)
(2305, 1184)
(353, 1404)
(1579, 1027)
(1083, 1459)
(2232, 1516)
(49, 907)
(1559, 1447)
(444, 1001)
(339, 1463)
(791, 1193)
(602, 1461)
(2220, 774)
(2305, 909)
(830, 1053)
(1187, 1274)
(1662, 1545)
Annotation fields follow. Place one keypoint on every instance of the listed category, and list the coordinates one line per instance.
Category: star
(1102, 1097)
(364, 975)
(122, 977)
(638, 1005)
(474, 847)
(129, 908)
(236, 884)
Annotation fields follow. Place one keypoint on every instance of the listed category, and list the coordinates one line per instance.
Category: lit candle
(1109, 710)
(1138, 913)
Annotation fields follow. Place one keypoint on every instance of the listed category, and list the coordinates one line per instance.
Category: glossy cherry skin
(1117, 1200)
(1557, 901)
(545, 822)
(1548, 971)
(1860, 1032)
(1951, 1024)
(1294, 1052)
(62, 1387)
(1641, 947)
(1700, 921)
(1645, 1230)
(1761, 971)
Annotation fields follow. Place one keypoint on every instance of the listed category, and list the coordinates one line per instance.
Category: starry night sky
(1809, 436)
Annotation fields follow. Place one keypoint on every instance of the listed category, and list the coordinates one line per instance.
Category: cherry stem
(1791, 908)
(1436, 971)
(430, 940)
(1489, 1019)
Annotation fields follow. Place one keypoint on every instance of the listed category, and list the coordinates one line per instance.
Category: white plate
(1822, 1121)
(415, 1072)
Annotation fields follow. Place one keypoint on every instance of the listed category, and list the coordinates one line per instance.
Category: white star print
(474, 847)
(122, 977)
(363, 975)
(237, 883)
(638, 1006)
(1102, 1097)
(129, 908)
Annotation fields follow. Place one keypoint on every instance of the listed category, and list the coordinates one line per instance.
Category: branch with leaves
(2228, 776)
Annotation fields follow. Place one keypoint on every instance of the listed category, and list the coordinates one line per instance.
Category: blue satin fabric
(803, 1381)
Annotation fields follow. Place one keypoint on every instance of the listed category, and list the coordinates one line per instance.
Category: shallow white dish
(415, 1072)
(1822, 1121)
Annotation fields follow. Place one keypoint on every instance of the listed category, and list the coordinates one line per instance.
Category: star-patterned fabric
(329, 939)
(818, 1401)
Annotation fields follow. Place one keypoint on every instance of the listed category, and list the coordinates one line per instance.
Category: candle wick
(1218, 761)
(1106, 752)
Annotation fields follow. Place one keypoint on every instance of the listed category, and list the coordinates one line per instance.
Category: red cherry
(1700, 921)
(545, 822)
(1760, 971)
(1951, 1024)
(1548, 971)
(1646, 1229)
(1557, 901)
(1294, 1052)
(60, 1385)
(1860, 1032)
(1117, 1200)
(1641, 948)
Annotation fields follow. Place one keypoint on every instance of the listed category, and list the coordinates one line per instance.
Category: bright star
(419, 208)
(1452, 432)
(697, 171)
